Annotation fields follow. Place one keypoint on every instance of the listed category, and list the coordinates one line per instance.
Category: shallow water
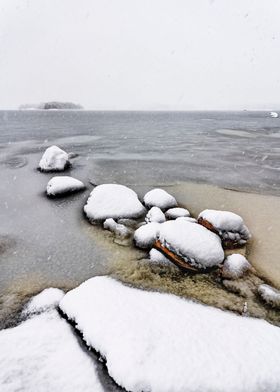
(48, 242)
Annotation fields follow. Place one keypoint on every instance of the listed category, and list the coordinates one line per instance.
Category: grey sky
(141, 54)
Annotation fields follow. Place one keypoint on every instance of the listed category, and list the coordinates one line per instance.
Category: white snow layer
(42, 354)
(54, 159)
(48, 298)
(113, 201)
(193, 242)
(155, 215)
(235, 266)
(63, 184)
(270, 295)
(161, 343)
(226, 221)
(157, 257)
(177, 212)
(159, 198)
(146, 235)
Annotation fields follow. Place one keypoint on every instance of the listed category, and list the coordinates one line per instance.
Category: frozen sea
(49, 242)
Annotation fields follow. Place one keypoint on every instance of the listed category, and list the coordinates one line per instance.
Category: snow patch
(161, 343)
(113, 201)
(177, 212)
(47, 299)
(63, 184)
(145, 235)
(155, 215)
(235, 266)
(159, 198)
(54, 159)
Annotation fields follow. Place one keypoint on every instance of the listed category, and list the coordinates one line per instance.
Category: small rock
(118, 229)
(159, 198)
(177, 212)
(155, 215)
(157, 257)
(54, 159)
(63, 184)
(270, 295)
(145, 236)
(235, 266)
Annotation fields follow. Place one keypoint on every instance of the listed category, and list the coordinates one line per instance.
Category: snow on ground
(177, 212)
(196, 244)
(54, 159)
(157, 257)
(146, 235)
(159, 198)
(228, 224)
(63, 184)
(155, 215)
(161, 343)
(42, 354)
(235, 266)
(270, 295)
(113, 201)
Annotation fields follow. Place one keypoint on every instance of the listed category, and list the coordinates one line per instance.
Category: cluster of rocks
(158, 225)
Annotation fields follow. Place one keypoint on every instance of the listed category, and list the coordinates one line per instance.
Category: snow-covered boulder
(193, 243)
(157, 257)
(187, 219)
(270, 295)
(159, 198)
(42, 354)
(54, 159)
(235, 266)
(155, 215)
(145, 235)
(60, 185)
(162, 343)
(228, 225)
(177, 212)
(113, 201)
(118, 229)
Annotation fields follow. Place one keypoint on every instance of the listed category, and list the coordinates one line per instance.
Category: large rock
(54, 159)
(197, 246)
(159, 198)
(113, 201)
(228, 225)
(63, 184)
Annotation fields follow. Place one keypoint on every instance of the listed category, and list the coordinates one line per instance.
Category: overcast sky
(141, 54)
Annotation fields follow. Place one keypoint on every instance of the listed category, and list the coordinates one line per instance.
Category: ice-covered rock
(228, 225)
(235, 266)
(145, 235)
(159, 198)
(47, 299)
(155, 215)
(54, 159)
(157, 257)
(118, 229)
(42, 354)
(161, 343)
(193, 243)
(113, 201)
(177, 212)
(63, 184)
(270, 295)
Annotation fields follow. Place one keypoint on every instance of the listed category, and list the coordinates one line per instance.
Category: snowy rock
(47, 299)
(63, 184)
(235, 266)
(118, 229)
(270, 295)
(193, 243)
(228, 225)
(157, 257)
(42, 354)
(187, 219)
(161, 343)
(159, 198)
(145, 235)
(113, 201)
(54, 159)
(155, 215)
(177, 212)
(131, 223)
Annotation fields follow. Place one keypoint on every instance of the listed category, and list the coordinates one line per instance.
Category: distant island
(53, 105)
